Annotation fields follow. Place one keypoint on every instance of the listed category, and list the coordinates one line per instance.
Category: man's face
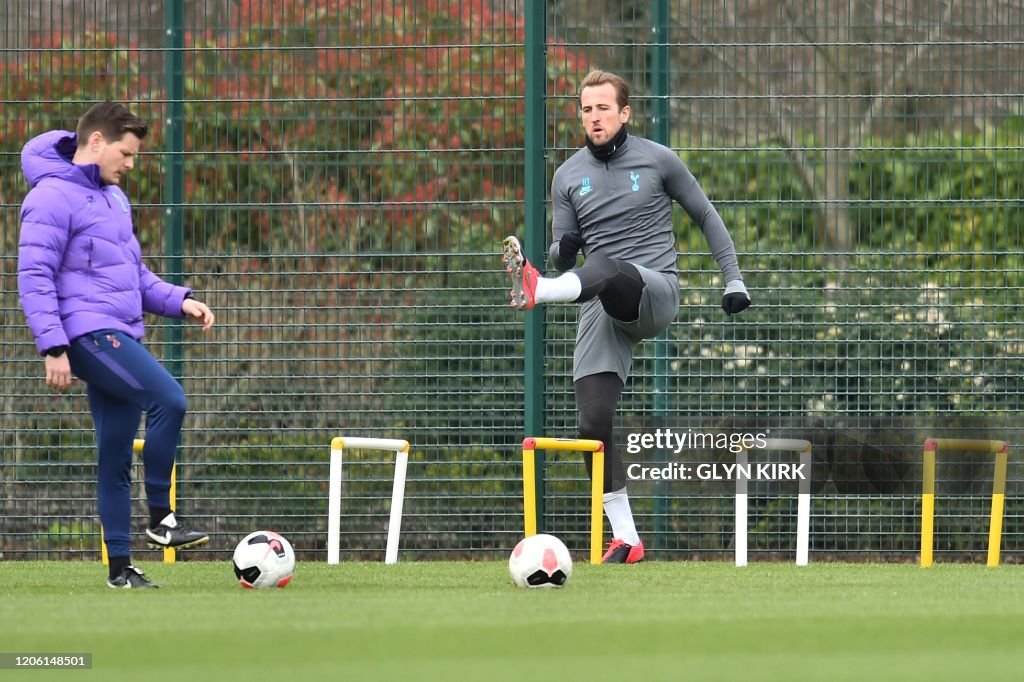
(601, 115)
(114, 159)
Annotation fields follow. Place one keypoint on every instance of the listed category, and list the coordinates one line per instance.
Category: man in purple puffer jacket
(84, 288)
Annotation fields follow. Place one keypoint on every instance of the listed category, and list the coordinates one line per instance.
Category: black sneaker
(178, 537)
(130, 578)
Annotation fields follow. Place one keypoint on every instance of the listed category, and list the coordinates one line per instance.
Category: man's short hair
(595, 78)
(112, 120)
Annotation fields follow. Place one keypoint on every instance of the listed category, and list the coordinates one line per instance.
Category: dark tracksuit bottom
(123, 381)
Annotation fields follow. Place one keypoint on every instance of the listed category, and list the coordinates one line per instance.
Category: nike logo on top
(585, 187)
(160, 535)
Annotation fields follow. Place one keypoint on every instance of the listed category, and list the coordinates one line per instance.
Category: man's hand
(198, 312)
(736, 298)
(58, 372)
(569, 245)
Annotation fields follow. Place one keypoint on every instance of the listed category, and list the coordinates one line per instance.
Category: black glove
(736, 297)
(569, 245)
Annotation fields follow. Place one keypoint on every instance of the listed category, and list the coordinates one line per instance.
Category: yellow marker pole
(928, 504)
(995, 529)
(530, 446)
(170, 554)
(529, 489)
(597, 507)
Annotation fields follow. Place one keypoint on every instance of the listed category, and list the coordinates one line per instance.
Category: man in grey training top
(612, 200)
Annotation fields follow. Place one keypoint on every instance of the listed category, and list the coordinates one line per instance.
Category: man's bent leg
(597, 396)
(618, 284)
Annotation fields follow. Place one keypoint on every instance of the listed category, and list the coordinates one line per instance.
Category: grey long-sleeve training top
(623, 208)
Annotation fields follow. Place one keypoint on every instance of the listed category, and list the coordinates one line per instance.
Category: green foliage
(920, 319)
(70, 535)
(938, 202)
(49, 87)
(400, 111)
(953, 198)
(339, 126)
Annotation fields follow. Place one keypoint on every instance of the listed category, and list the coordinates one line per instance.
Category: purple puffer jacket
(79, 264)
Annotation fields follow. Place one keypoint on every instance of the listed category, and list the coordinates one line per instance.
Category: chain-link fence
(335, 179)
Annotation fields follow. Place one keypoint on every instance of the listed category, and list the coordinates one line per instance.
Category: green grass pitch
(465, 621)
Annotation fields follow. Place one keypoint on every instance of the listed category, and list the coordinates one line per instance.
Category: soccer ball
(264, 559)
(540, 561)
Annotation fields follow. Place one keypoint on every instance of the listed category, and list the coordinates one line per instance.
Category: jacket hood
(50, 156)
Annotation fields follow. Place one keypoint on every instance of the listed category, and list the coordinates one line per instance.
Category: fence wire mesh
(348, 169)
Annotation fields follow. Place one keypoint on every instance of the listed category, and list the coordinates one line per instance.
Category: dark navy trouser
(124, 381)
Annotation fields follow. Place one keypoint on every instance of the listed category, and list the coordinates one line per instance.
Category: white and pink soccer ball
(264, 559)
(540, 561)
